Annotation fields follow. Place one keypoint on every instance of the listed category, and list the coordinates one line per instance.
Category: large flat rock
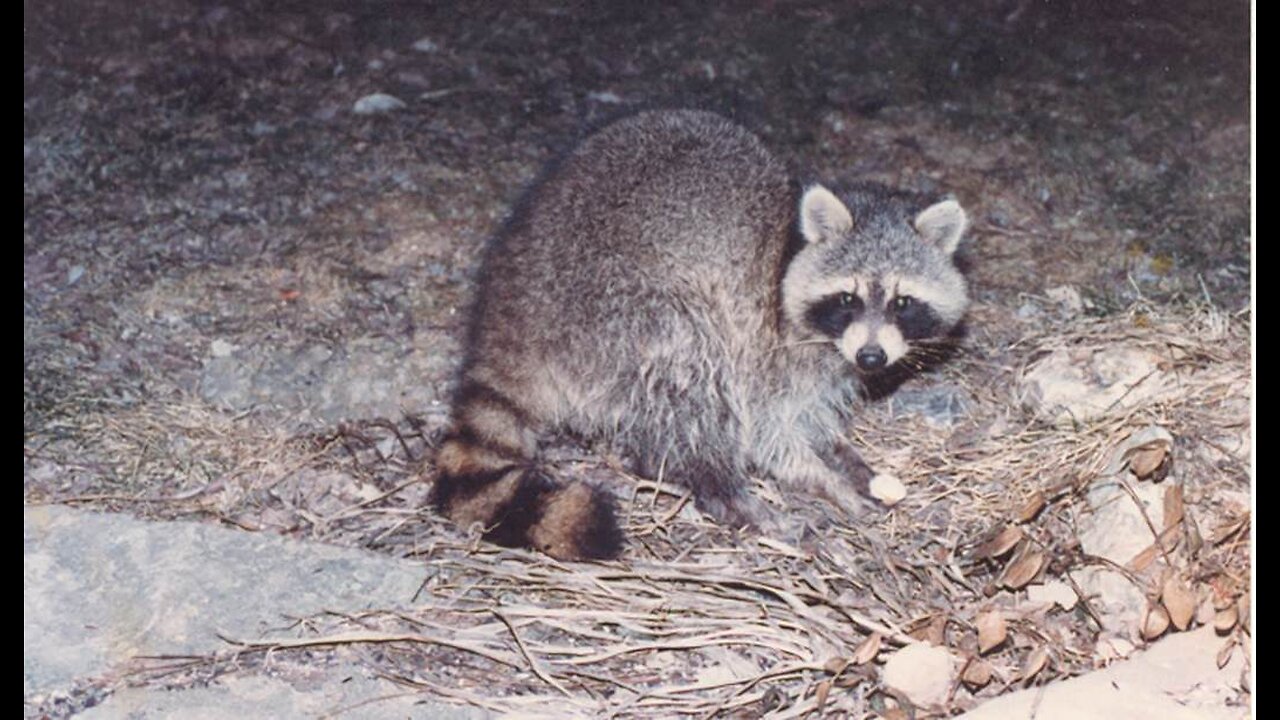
(334, 694)
(1176, 679)
(100, 589)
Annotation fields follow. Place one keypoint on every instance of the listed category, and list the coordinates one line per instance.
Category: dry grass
(695, 622)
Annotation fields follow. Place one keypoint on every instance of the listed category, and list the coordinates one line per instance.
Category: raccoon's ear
(823, 216)
(942, 224)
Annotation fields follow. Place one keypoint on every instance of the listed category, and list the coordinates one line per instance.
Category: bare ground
(241, 303)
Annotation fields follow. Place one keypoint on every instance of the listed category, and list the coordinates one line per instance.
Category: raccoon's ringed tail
(517, 504)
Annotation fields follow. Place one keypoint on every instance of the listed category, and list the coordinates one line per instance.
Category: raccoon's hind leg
(488, 475)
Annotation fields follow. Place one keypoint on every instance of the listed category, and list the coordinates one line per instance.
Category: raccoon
(668, 286)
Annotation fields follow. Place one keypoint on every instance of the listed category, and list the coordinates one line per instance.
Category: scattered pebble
(888, 489)
(922, 672)
(1054, 592)
(377, 103)
(426, 45)
(1068, 297)
(221, 348)
(1069, 386)
(605, 97)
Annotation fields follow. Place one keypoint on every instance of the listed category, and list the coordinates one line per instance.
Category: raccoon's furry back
(634, 295)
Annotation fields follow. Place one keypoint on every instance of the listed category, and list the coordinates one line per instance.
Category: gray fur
(652, 290)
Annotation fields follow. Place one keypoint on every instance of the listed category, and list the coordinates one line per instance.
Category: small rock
(1114, 598)
(1151, 436)
(1176, 679)
(888, 489)
(1114, 648)
(1068, 297)
(74, 274)
(1065, 387)
(606, 97)
(221, 348)
(426, 45)
(922, 672)
(377, 103)
(940, 406)
(1116, 529)
(1053, 592)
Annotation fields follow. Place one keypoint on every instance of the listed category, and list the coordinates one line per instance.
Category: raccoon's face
(876, 281)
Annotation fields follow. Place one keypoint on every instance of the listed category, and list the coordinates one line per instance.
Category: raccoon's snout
(872, 346)
(872, 357)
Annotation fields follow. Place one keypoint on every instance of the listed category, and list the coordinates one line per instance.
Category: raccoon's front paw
(766, 521)
(743, 512)
(752, 516)
(853, 504)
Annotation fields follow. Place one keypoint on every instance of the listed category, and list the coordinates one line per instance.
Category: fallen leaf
(836, 665)
(1194, 541)
(868, 649)
(1024, 568)
(1035, 663)
(992, 630)
(1062, 487)
(820, 694)
(1150, 462)
(1179, 601)
(977, 673)
(1143, 560)
(1174, 510)
(850, 679)
(1003, 541)
(1224, 653)
(1168, 539)
(1228, 529)
(933, 631)
(1142, 453)
(1225, 619)
(1032, 507)
(1155, 622)
(774, 698)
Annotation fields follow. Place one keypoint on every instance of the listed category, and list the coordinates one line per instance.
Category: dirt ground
(242, 299)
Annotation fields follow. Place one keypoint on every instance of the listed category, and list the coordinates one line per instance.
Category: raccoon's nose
(871, 357)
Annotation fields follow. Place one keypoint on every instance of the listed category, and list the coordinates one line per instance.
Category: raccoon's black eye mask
(832, 314)
(914, 319)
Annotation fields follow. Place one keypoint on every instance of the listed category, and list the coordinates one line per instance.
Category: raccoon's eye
(847, 299)
(902, 302)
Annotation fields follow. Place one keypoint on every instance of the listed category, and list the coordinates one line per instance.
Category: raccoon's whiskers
(797, 343)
